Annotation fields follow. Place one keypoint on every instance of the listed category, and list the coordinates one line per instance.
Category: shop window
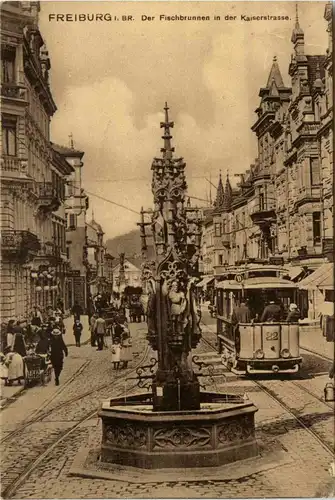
(316, 227)
(315, 171)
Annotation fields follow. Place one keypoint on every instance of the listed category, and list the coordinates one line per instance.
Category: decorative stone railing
(13, 91)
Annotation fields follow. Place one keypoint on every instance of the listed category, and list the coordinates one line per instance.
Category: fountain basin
(222, 431)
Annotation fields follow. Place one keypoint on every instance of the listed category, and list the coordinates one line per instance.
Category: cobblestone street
(45, 427)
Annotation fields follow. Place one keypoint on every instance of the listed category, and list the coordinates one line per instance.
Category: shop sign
(73, 274)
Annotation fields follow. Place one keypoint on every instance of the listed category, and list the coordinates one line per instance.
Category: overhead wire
(94, 194)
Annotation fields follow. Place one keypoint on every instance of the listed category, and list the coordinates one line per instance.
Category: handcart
(37, 369)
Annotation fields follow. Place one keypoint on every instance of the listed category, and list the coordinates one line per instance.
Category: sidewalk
(312, 339)
(8, 393)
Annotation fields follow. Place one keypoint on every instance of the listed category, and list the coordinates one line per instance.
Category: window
(72, 221)
(261, 201)
(315, 171)
(316, 227)
(8, 66)
(9, 139)
(217, 229)
(220, 260)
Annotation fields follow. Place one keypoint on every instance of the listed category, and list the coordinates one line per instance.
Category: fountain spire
(167, 150)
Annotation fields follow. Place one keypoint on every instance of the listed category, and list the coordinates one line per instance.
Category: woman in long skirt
(3, 369)
(126, 346)
(14, 364)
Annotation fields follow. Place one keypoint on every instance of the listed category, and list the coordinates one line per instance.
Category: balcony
(13, 165)
(49, 200)
(262, 214)
(307, 194)
(307, 128)
(19, 245)
(12, 90)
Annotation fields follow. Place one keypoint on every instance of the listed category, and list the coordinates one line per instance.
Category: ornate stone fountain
(175, 425)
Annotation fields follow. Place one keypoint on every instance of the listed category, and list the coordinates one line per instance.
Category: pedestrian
(14, 364)
(3, 368)
(92, 330)
(100, 331)
(77, 329)
(126, 346)
(19, 345)
(43, 344)
(294, 314)
(77, 311)
(57, 351)
(116, 352)
(37, 318)
(60, 305)
(10, 332)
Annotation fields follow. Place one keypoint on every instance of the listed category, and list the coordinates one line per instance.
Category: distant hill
(129, 243)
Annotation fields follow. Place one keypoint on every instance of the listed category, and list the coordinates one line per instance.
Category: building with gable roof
(127, 273)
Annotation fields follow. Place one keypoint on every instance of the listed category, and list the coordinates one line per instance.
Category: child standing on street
(77, 329)
(116, 352)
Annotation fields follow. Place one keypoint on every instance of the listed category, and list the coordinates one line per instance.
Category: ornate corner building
(282, 208)
(99, 263)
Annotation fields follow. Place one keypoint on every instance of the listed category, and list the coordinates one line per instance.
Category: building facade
(76, 206)
(127, 273)
(99, 262)
(282, 208)
(32, 185)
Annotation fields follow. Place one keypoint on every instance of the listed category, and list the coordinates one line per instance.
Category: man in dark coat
(76, 310)
(272, 312)
(57, 351)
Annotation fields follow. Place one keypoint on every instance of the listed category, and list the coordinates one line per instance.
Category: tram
(255, 347)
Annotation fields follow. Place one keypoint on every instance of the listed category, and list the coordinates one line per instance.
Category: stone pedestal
(217, 434)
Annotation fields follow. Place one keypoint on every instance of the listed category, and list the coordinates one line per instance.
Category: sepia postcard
(167, 248)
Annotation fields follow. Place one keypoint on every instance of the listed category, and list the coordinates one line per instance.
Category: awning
(263, 282)
(205, 281)
(294, 272)
(322, 278)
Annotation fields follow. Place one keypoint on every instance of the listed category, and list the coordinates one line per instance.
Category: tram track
(329, 448)
(12, 488)
(293, 413)
(38, 417)
(117, 385)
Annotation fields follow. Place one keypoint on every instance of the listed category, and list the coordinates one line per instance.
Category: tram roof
(260, 283)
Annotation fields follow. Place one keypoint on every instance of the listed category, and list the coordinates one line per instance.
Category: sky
(110, 81)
